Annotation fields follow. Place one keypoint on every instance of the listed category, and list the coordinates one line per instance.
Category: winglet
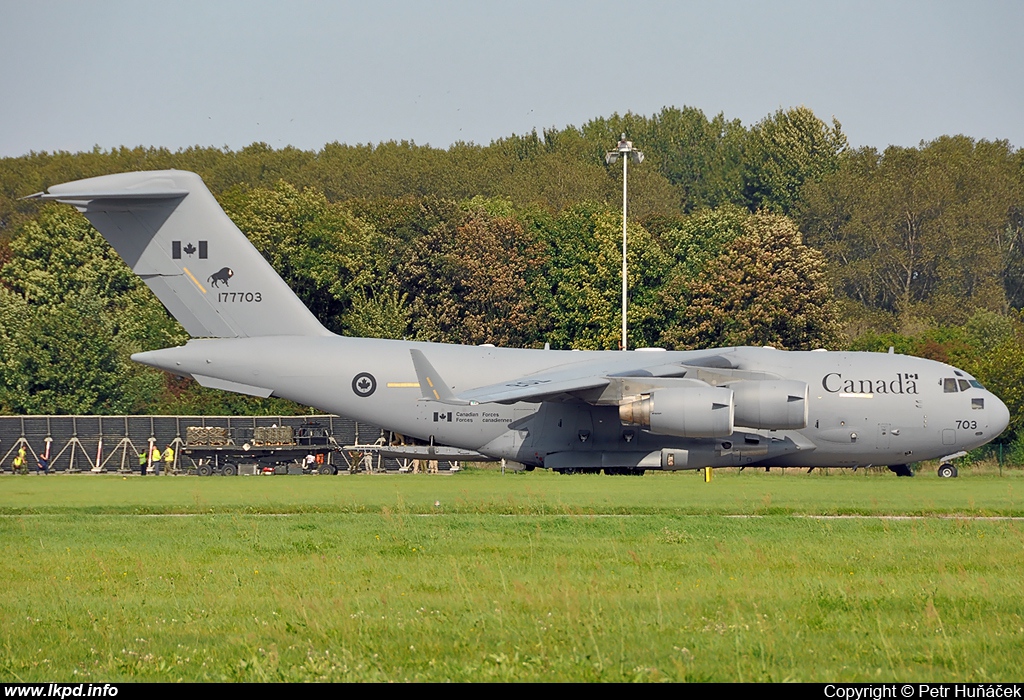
(433, 387)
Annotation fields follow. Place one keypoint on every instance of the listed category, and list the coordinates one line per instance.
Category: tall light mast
(625, 151)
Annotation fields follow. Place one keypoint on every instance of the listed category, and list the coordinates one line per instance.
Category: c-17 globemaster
(570, 411)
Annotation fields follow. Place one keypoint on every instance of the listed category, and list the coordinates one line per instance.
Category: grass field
(518, 577)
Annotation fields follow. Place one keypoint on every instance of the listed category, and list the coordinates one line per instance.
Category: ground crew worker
(155, 455)
(19, 460)
(142, 462)
(168, 459)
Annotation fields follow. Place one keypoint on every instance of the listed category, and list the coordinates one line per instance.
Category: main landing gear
(946, 470)
(901, 470)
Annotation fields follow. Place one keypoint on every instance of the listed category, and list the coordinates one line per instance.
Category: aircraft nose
(1000, 417)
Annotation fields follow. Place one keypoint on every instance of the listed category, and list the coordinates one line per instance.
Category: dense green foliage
(522, 577)
(922, 236)
(776, 233)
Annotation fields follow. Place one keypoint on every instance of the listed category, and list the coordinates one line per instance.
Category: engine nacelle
(771, 405)
(690, 412)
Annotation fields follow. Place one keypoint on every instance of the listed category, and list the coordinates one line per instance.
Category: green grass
(518, 577)
(539, 493)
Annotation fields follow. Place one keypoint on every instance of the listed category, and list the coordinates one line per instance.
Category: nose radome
(1000, 416)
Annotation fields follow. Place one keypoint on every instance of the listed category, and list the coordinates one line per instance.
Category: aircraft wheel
(229, 469)
(204, 470)
(947, 471)
(325, 469)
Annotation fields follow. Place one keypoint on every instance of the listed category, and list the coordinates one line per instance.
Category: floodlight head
(626, 150)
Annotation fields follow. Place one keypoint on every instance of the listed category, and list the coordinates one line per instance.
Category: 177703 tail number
(240, 297)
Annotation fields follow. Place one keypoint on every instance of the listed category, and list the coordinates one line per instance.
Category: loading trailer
(264, 450)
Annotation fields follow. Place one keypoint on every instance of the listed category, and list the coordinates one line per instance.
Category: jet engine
(691, 412)
(771, 405)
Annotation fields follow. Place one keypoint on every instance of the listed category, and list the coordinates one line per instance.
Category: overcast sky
(109, 73)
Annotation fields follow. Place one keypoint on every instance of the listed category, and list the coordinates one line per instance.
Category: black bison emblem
(221, 275)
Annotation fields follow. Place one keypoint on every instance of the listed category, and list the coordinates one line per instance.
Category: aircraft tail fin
(172, 232)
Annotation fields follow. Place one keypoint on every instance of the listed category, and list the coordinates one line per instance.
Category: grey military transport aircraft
(571, 411)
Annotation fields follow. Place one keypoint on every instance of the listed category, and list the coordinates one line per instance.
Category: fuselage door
(883, 436)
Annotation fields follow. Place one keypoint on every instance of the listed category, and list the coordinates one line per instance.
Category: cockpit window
(964, 384)
(976, 384)
(958, 373)
(949, 386)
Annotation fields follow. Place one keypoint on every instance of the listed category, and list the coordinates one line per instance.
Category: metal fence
(112, 443)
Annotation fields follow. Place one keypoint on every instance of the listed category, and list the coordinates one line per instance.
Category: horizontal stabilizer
(238, 388)
(85, 197)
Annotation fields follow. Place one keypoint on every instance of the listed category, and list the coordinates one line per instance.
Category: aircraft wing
(535, 388)
(584, 381)
(578, 382)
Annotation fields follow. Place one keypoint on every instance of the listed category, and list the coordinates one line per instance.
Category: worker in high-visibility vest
(155, 459)
(19, 460)
(168, 459)
(143, 459)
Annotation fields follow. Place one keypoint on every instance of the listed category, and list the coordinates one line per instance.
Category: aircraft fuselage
(864, 408)
(564, 410)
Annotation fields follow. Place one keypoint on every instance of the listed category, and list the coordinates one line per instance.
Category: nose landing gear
(947, 471)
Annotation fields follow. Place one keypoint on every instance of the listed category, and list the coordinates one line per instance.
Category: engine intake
(691, 412)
